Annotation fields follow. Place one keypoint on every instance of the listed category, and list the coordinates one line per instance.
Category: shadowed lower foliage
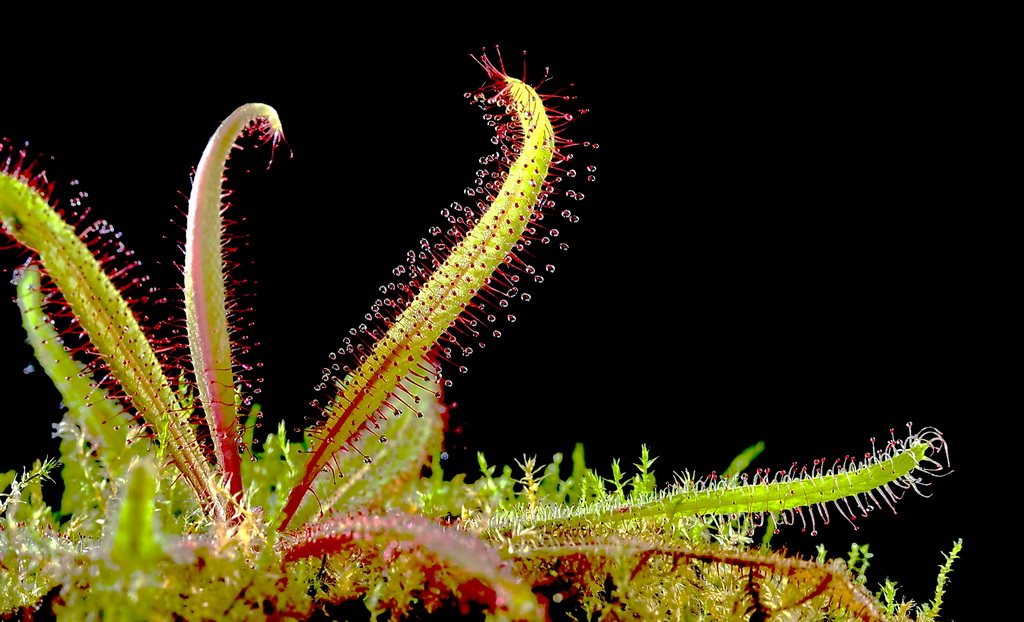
(170, 511)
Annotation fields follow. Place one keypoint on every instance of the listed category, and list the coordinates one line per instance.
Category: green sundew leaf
(87, 439)
(106, 318)
(87, 403)
(863, 484)
(449, 289)
(206, 312)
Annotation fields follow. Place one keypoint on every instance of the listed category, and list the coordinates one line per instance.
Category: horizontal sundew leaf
(480, 251)
(792, 497)
(106, 318)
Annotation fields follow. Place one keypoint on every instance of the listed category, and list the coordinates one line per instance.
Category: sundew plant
(176, 505)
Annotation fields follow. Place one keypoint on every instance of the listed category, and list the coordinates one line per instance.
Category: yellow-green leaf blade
(448, 290)
(106, 318)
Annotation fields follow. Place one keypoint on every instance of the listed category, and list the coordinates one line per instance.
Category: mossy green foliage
(161, 520)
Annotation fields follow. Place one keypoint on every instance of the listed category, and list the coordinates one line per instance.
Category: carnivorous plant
(171, 509)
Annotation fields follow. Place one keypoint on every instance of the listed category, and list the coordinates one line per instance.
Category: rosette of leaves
(170, 512)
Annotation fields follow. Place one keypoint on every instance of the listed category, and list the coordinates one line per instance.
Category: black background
(771, 249)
